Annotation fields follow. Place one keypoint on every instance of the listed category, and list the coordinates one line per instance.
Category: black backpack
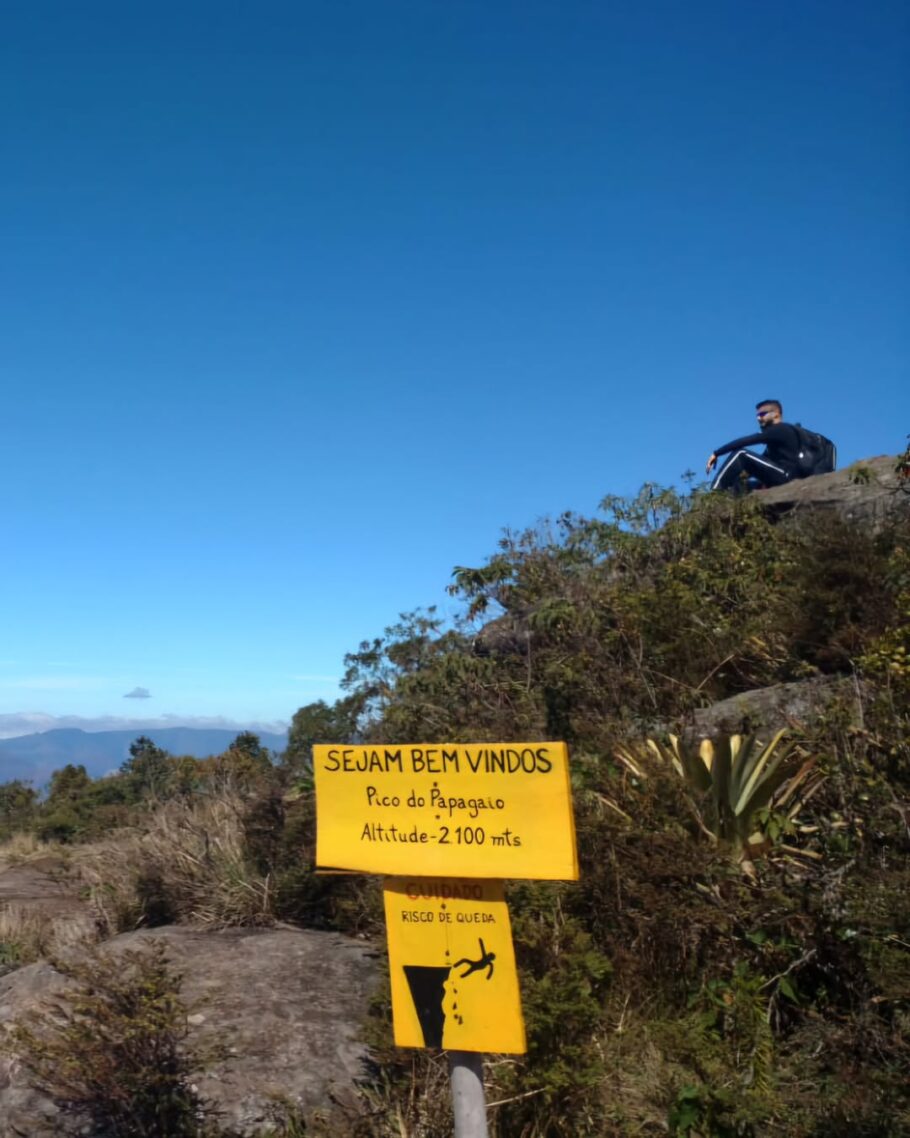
(817, 455)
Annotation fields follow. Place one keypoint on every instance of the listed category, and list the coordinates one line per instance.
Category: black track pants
(745, 462)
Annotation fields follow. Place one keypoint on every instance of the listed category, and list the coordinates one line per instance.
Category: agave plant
(733, 780)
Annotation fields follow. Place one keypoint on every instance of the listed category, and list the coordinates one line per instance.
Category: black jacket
(781, 444)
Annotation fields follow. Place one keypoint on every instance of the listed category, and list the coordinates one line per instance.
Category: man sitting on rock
(744, 470)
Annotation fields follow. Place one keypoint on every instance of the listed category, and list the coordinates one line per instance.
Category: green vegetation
(743, 795)
(666, 991)
(114, 1051)
(17, 807)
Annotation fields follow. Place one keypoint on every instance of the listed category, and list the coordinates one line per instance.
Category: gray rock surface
(867, 491)
(287, 1003)
(782, 705)
(508, 635)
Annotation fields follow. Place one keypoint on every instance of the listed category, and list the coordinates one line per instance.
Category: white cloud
(138, 693)
(25, 723)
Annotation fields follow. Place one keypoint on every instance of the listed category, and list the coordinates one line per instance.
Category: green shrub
(59, 825)
(112, 1051)
(744, 795)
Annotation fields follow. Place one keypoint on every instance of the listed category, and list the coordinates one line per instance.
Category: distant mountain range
(35, 757)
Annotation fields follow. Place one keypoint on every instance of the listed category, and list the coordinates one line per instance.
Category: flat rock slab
(288, 1004)
(867, 491)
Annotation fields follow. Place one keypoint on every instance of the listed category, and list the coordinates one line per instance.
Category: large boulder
(287, 1005)
(868, 491)
(794, 706)
(508, 635)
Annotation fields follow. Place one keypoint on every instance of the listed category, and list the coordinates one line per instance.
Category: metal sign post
(468, 1102)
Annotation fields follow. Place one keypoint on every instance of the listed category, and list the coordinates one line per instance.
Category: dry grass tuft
(187, 865)
(22, 847)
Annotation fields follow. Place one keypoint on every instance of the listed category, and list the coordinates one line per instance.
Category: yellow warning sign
(452, 965)
(495, 810)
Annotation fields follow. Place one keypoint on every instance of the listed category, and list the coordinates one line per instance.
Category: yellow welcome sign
(492, 810)
(452, 965)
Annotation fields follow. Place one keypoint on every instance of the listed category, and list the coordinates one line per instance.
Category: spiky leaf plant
(733, 780)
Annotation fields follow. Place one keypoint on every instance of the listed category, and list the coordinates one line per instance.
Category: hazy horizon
(14, 726)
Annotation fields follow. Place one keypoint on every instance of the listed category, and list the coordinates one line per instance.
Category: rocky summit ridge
(869, 490)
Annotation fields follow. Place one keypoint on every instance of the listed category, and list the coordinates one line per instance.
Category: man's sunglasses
(762, 414)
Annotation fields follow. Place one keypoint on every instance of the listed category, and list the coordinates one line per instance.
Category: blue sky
(304, 302)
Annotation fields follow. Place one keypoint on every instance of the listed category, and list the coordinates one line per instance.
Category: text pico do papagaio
(450, 803)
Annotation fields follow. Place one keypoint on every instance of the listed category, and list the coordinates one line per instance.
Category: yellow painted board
(452, 965)
(498, 810)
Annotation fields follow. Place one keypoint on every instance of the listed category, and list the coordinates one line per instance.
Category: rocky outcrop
(793, 705)
(869, 491)
(285, 1004)
(508, 635)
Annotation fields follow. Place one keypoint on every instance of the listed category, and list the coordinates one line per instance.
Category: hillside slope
(728, 965)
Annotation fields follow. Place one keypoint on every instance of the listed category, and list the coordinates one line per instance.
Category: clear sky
(303, 302)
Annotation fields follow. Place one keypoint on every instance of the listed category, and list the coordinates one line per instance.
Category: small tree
(148, 769)
(249, 744)
(63, 814)
(17, 806)
(68, 785)
(319, 722)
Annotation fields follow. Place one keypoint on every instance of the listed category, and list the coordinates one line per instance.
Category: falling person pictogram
(485, 961)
